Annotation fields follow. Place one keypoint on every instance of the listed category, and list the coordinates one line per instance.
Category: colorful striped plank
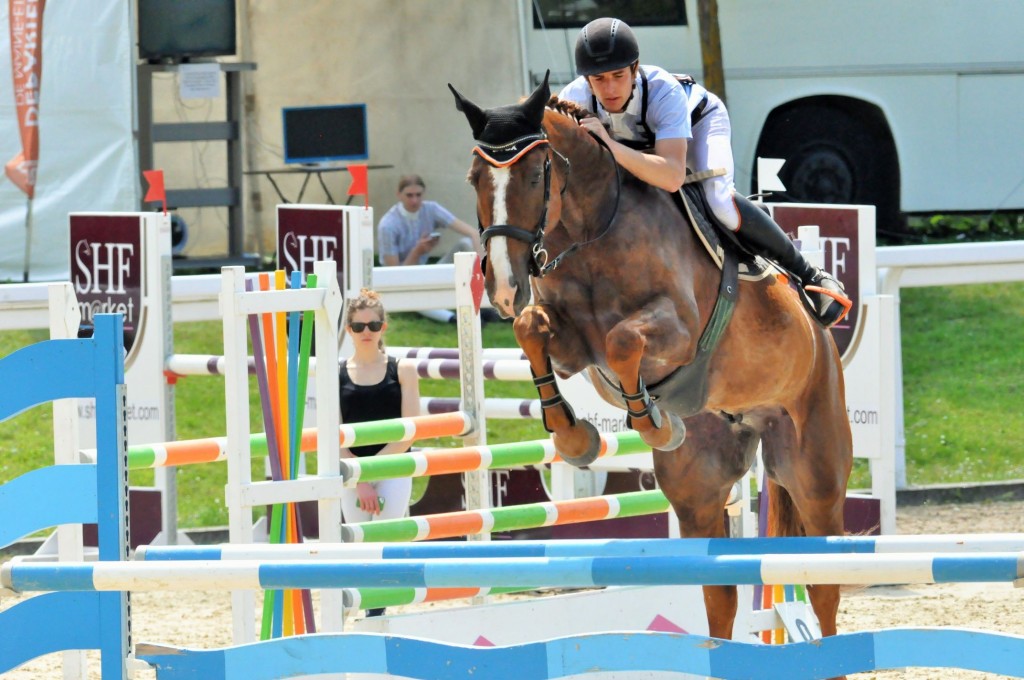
(472, 522)
(214, 449)
(429, 463)
(560, 572)
(599, 652)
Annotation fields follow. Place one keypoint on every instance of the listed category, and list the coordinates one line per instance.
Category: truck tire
(835, 156)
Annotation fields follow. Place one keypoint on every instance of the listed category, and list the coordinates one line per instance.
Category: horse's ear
(534, 105)
(474, 114)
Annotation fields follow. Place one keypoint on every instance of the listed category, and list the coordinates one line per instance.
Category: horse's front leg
(625, 345)
(576, 441)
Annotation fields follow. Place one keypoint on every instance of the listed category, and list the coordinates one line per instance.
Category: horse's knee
(532, 326)
(623, 344)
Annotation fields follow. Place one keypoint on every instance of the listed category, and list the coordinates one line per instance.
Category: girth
(684, 392)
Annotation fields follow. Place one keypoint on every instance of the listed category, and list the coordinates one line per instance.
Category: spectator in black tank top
(374, 387)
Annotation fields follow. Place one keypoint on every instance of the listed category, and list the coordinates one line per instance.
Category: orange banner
(26, 18)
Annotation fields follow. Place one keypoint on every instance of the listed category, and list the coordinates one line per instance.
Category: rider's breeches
(711, 148)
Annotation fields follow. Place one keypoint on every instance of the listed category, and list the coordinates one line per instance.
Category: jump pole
(621, 547)
(522, 572)
(389, 597)
(214, 449)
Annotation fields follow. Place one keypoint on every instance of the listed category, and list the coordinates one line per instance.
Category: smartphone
(435, 235)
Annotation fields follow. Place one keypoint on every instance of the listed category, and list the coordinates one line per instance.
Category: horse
(622, 289)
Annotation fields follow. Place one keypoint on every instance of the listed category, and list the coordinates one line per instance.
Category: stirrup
(845, 302)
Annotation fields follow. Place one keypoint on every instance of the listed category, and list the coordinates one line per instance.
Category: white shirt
(668, 106)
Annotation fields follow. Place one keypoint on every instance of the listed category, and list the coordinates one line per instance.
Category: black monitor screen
(174, 30)
(322, 134)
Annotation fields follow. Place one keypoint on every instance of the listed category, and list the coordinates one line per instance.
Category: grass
(962, 360)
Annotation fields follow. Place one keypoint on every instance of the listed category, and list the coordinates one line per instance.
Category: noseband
(539, 265)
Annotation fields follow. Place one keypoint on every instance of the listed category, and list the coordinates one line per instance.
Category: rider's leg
(764, 236)
(711, 147)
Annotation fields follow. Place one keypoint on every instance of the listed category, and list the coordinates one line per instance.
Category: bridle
(539, 264)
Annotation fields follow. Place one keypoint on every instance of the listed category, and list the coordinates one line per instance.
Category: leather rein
(539, 264)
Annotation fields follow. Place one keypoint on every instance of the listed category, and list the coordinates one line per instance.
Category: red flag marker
(156, 187)
(360, 185)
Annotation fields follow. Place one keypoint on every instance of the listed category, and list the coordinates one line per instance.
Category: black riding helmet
(605, 45)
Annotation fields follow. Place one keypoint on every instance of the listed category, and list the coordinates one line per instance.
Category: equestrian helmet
(605, 45)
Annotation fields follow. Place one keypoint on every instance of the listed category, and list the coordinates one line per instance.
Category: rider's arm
(665, 168)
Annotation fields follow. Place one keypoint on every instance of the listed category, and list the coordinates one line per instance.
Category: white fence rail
(24, 305)
(947, 264)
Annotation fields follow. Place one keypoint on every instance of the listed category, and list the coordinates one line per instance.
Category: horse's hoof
(677, 433)
(585, 439)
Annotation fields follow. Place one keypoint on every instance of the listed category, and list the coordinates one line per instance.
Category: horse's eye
(535, 179)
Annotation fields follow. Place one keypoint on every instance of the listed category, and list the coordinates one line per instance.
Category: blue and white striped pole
(565, 572)
(944, 543)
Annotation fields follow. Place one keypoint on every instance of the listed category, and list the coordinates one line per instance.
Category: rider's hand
(594, 126)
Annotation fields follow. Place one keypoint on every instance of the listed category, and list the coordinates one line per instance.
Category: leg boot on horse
(760, 232)
(625, 346)
(577, 441)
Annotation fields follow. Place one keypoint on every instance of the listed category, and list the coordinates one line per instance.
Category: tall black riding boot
(760, 232)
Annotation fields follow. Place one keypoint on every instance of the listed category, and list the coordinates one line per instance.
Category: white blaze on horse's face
(498, 259)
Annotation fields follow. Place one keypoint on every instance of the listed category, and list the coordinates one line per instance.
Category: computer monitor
(315, 135)
(175, 31)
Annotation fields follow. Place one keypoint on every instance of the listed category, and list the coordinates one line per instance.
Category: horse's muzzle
(507, 276)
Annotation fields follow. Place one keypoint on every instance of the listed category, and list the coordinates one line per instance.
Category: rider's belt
(698, 111)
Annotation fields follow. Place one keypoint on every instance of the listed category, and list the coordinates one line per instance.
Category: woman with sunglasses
(373, 387)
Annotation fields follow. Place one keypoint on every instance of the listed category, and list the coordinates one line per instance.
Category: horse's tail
(783, 518)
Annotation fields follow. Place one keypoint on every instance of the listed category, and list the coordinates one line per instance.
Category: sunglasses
(360, 326)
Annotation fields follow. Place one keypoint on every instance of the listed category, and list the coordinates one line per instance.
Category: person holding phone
(411, 229)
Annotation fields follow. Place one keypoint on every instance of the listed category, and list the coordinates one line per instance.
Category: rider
(651, 114)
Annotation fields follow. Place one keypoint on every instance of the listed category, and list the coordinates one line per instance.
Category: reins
(539, 264)
(551, 266)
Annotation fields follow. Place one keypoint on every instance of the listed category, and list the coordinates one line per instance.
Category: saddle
(685, 390)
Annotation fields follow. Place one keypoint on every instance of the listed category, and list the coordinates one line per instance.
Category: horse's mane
(569, 108)
(571, 112)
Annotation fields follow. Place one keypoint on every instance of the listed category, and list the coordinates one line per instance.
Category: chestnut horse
(622, 289)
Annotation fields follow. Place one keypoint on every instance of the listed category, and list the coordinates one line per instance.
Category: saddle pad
(694, 205)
